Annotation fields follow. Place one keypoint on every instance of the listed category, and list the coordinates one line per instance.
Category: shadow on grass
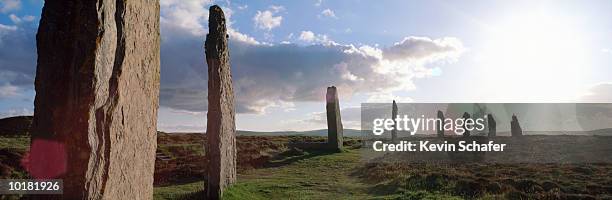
(296, 154)
(194, 195)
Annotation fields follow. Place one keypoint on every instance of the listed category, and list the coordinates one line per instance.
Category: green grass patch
(16, 142)
(184, 191)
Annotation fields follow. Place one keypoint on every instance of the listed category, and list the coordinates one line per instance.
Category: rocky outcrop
(440, 124)
(515, 127)
(334, 122)
(393, 116)
(221, 128)
(492, 125)
(465, 117)
(97, 88)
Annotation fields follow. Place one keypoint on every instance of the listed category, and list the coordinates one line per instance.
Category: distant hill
(15, 125)
(321, 132)
(602, 132)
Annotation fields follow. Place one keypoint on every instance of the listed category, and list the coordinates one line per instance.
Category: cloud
(15, 19)
(600, 93)
(265, 75)
(272, 75)
(266, 20)
(318, 2)
(18, 54)
(328, 13)
(6, 30)
(421, 47)
(310, 37)
(7, 91)
(307, 36)
(9, 5)
(242, 7)
(187, 16)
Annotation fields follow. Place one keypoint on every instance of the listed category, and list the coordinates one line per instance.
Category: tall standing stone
(466, 116)
(515, 127)
(440, 124)
(97, 89)
(334, 122)
(393, 116)
(220, 129)
(492, 125)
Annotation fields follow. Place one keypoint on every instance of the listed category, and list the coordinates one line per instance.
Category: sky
(284, 54)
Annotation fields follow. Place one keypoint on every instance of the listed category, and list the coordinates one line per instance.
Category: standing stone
(393, 116)
(440, 124)
(515, 127)
(334, 122)
(97, 89)
(466, 116)
(220, 129)
(492, 125)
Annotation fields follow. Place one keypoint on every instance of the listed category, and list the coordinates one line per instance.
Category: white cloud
(307, 36)
(318, 2)
(606, 51)
(276, 9)
(422, 47)
(265, 75)
(328, 13)
(17, 54)
(311, 37)
(242, 7)
(17, 20)
(266, 19)
(9, 5)
(28, 18)
(7, 91)
(5, 30)
(241, 37)
(188, 15)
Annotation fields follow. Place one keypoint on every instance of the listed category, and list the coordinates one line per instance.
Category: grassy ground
(324, 175)
(21, 143)
(269, 168)
(303, 175)
(312, 175)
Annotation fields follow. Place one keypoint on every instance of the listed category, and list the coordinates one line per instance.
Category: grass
(279, 172)
(327, 175)
(21, 143)
(183, 191)
(313, 175)
(306, 175)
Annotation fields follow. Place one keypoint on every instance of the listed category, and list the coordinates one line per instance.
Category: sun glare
(537, 56)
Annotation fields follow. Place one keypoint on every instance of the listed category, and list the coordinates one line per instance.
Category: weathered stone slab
(515, 127)
(97, 89)
(393, 116)
(221, 128)
(492, 125)
(334, 122)
(466, 116)
(440, 124)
